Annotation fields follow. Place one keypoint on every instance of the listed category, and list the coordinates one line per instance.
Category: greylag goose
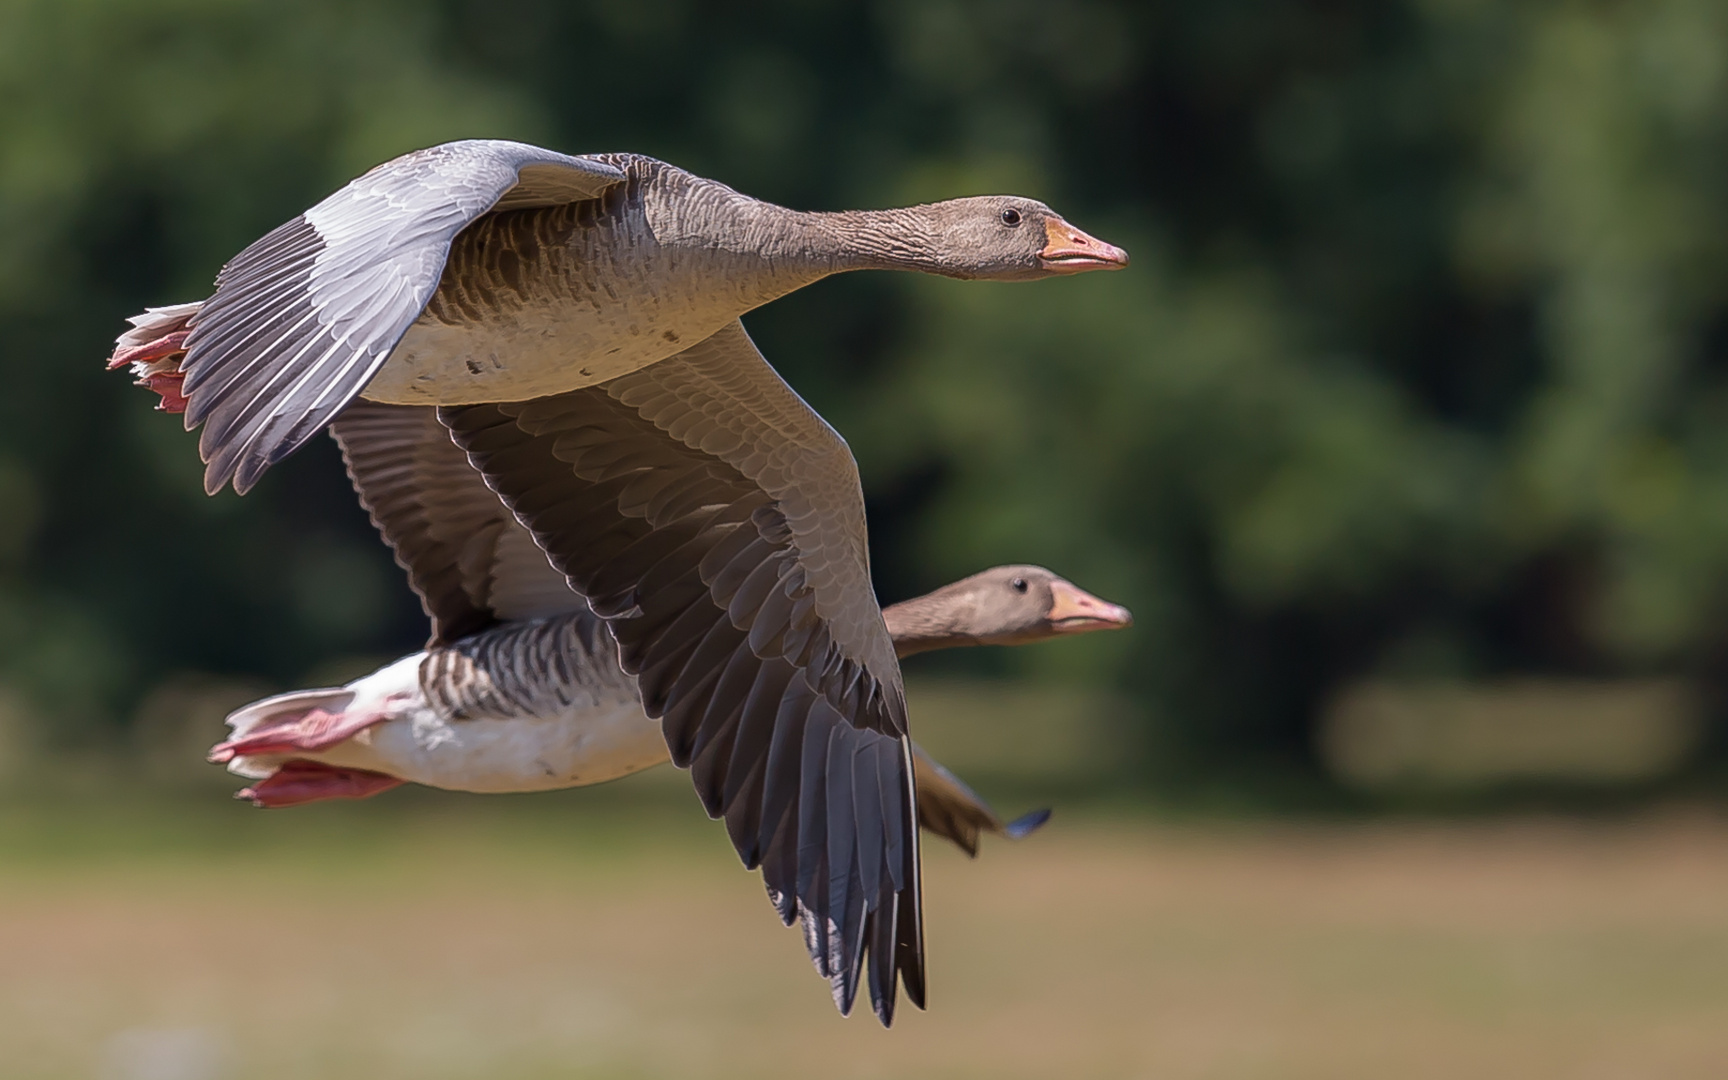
(485, 270)
(709, 516)
(519, 688)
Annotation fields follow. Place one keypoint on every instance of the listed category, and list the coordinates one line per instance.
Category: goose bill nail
(1074, 609)
(1068, 250)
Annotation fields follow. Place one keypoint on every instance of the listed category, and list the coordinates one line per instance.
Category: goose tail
(154, 348)
(266, 741)
(264, 734)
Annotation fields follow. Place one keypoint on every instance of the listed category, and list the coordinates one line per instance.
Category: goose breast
(537, 302)
(488, 271)
(532, 706)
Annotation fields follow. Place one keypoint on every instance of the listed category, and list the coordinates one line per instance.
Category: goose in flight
(485, 270)
(575, 319)
(519, 688)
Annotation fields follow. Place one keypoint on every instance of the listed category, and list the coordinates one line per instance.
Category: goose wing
(473, 564)
(717, 524)
(304, 317)
(466, 556)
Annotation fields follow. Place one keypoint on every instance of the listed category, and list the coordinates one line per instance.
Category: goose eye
(1010, 217)
(1018, 584)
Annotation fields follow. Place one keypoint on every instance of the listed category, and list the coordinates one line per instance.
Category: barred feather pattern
(533, 668)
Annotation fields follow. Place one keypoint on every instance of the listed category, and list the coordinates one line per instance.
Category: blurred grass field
(612, 934)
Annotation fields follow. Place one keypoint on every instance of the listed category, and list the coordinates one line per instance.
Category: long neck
(926, 623)
(835, 242)
(779, 250)
(899, 239)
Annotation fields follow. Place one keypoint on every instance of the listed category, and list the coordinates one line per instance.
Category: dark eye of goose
(1018, 584)
(1011, 218)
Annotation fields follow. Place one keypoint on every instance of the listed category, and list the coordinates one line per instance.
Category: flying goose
(519, 688)
(485, 270)
(709, 516)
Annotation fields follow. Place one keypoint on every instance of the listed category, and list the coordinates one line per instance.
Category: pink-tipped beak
(1073, 610)
(1067, 250)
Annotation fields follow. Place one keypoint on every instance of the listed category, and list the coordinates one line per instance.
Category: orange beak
(1067, 250)
(1075, 611)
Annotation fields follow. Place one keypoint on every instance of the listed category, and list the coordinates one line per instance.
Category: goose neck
(777, 250)
(926, 623)
(815, 244)
(898, 239)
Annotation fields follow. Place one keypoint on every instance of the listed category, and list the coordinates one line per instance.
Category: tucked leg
(298, 782)
(154, 348)
(286, 732)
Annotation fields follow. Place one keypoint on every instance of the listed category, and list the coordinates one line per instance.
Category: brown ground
(606, 939)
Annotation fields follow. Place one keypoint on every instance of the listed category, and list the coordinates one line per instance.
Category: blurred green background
(1417, 381)
(1405, 438)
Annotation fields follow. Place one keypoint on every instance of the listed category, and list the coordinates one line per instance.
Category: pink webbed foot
(165, 346)
(298, 782)
(156, 362)
(167, 384)
(287, 732)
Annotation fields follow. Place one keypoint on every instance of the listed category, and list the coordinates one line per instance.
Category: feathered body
(531, 706)
(618, 282)
(575, 320)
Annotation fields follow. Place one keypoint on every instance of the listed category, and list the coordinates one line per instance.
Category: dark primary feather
(717, 524)
(466, 556)
(303, 318)
(473, 564)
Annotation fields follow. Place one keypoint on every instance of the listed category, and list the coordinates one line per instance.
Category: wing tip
(1026, 824)
(216, 477)
(226, 464)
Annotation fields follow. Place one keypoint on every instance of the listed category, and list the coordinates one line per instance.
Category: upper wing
(717, 524)
(304, 317)
(465, 554)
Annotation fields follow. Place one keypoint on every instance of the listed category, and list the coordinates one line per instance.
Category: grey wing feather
(717, 525)
(465, 554)
(304, 317)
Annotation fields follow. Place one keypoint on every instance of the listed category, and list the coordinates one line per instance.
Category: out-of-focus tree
(1417, 371)
(141, 145)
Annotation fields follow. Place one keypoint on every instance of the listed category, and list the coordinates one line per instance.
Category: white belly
(584, 745)
(602, 735)
(541, 351)
(577, 302)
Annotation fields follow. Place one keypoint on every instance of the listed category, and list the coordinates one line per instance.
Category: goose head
(1005, 605)
(984, 237)
(1008, 238)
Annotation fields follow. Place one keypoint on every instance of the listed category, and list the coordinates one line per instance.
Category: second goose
(520, 688)
(576, 321)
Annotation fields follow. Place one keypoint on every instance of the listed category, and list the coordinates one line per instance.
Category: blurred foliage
(1418, 371)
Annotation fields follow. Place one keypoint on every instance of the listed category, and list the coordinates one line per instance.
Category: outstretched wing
(473, 564)
(304, 317)
(717, 524)
(466, 556)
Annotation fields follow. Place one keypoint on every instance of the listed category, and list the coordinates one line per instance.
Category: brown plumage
(537, 651)
(475, 566)
(486, 270)
(1005, 605)
(713, 520)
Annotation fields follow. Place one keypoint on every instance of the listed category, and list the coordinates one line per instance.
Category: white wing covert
(303, 318)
